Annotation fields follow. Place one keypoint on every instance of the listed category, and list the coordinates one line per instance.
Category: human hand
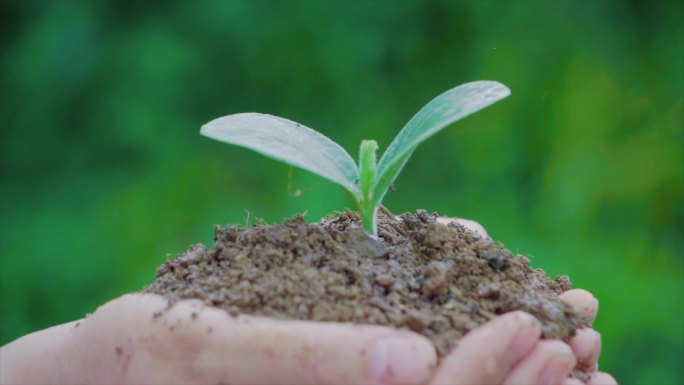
(507, 350)
(135, 340)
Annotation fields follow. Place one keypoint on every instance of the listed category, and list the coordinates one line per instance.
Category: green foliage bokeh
(104, 173)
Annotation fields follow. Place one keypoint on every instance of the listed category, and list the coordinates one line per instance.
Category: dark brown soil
(439, 281)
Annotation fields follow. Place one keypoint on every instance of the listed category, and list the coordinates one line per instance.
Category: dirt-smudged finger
(486, 354)
(601, 378)
(247, 349)
(549, 363)
(583, 301)
(586, 345)
(467, 223)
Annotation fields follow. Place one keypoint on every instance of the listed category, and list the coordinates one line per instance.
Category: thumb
(191, 343)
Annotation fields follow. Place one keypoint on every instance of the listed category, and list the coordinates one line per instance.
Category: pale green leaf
(443, 110)
(289, 142)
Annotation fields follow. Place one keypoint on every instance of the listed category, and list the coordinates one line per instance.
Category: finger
(191, 343)
(467, 223)
(583, 301)
(486, 354)
(48, 347)
(601, 378)
(571, 381)
(586, 345)
(310, 352)
(548, 364)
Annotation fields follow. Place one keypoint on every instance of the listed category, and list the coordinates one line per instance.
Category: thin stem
(367, 169)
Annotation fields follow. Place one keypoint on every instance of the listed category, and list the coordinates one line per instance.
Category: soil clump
(439, 281)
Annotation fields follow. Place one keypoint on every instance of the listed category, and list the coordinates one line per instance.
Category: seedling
(368, 182)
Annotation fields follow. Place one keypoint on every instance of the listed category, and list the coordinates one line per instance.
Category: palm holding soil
(132, 340)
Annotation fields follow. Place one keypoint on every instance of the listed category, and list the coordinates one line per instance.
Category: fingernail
(528, 333)
(396, 359)
(555, 370)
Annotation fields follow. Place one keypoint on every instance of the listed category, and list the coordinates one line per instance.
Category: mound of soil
(439, 281)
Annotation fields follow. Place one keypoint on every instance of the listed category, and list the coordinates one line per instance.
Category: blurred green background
(104, 173)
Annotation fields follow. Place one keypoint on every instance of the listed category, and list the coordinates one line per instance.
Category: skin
(134, 340)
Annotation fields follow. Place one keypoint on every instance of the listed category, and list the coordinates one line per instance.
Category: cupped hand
(508, 349)
(135, 339)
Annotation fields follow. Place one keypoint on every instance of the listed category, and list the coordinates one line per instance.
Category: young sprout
(368, 182)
